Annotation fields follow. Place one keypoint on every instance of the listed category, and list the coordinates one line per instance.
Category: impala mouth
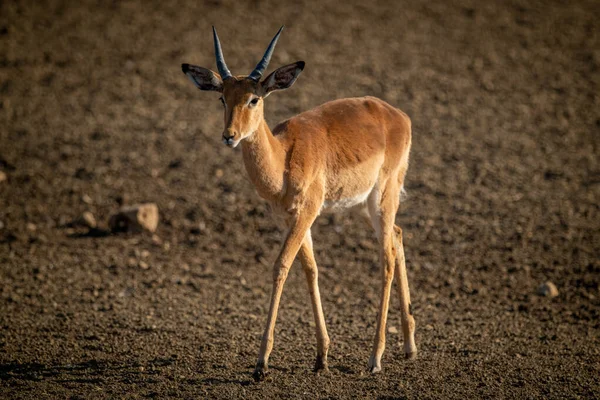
(230, 141)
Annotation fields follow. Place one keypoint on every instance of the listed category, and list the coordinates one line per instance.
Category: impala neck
(264, 157)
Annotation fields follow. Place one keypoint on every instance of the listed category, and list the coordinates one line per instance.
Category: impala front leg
(307, 258)
(299, 226)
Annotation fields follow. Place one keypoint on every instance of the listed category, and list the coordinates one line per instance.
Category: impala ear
(203, 78)
(282, 77)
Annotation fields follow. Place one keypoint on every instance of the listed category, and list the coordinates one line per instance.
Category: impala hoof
(260, 374)
(375, 369)
(410, 350)
(321, 365)
(374, 365)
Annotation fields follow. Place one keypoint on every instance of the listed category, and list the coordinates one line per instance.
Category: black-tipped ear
(203, 78)
(282, 77)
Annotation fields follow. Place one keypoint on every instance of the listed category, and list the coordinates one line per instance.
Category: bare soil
(503, 195)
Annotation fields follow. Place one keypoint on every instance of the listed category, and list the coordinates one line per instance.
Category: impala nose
(228, 140)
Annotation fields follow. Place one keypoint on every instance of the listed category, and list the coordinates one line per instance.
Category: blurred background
(503, 196)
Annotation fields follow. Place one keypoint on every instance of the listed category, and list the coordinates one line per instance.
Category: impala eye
(253, 102)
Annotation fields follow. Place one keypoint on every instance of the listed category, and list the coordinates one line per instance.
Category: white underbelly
(345, 203)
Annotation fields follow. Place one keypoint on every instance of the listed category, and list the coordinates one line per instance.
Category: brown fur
(345, 153)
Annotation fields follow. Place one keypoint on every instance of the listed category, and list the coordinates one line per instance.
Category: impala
(349, 153)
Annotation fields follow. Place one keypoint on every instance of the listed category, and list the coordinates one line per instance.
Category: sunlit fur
(333, 156)
(350, 153)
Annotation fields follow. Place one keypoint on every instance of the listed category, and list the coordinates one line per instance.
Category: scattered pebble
(548, 289)
(143, 265)
(135, 218)
(392, 329)
(87, 199)
(64, 221)
(2, 176)
(31, 227)
(87, 219)
(129, 65)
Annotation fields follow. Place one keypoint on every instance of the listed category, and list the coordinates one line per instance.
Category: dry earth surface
(504, 192)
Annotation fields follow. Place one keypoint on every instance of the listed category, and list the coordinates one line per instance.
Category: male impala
(343, 154)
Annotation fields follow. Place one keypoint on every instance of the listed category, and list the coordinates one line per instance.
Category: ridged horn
(261, 67)
(221, 66)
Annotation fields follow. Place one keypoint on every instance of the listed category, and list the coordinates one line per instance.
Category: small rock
(87, 219)
(143, 265)
(2, 176)
(1, 225)
(591, 296)
(64, 221)
(548, 289)
(392, 329)
(31, 227)
(129, 65)
(156, 240)
(87, 199)
(135, 218)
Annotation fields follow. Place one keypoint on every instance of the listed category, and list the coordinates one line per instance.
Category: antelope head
(243, 96)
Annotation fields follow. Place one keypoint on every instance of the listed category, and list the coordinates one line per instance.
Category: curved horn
(261, 67)
(221, 66)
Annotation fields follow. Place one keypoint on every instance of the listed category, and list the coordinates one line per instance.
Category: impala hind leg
(307, 258)
(382, 218)
(406, 317)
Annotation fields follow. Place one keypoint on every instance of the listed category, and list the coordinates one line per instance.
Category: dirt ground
(503, 195)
